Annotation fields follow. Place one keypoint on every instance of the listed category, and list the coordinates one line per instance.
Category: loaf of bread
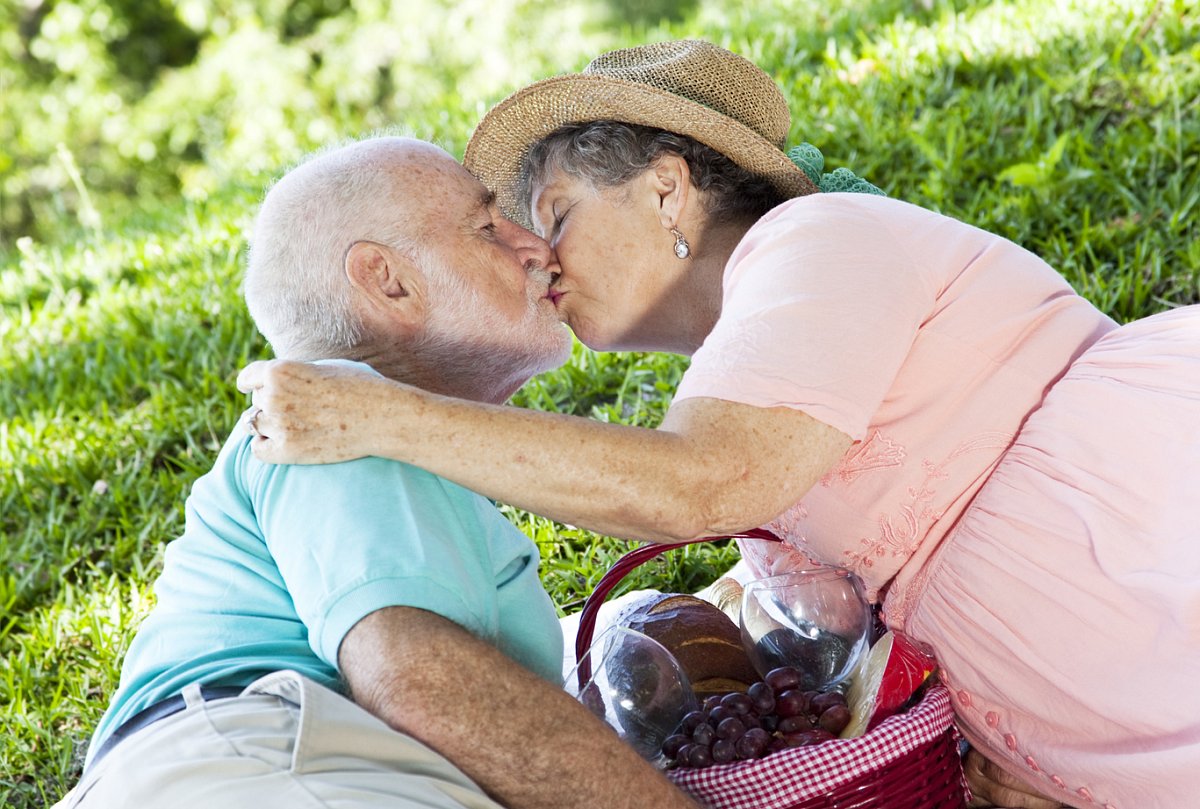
(707, 644)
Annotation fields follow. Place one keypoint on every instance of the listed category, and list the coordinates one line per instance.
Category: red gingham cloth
(792, 775)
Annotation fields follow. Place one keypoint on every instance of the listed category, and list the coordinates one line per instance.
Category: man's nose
(529, 246)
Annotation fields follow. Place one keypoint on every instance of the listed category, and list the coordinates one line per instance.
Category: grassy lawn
(1072, 128)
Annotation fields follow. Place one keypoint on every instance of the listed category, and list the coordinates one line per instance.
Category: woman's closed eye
(558, 220)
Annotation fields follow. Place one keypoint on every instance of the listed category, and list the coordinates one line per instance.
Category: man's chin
(557, 355)
(546, 346)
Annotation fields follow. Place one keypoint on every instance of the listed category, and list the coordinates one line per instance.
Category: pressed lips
(551, 292)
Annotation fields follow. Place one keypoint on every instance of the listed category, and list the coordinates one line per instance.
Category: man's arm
(525, 742)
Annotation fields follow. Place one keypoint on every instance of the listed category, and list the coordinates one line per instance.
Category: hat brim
(500, 142)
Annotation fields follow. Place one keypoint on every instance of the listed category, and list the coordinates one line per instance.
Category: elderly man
(294, 584)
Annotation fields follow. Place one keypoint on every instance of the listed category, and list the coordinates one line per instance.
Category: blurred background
(137, 136)
(115, 105)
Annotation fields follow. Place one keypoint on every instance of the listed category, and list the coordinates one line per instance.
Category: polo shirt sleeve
(820, 307)
(352, 538)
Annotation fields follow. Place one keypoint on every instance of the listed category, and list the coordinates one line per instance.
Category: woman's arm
(712, 467)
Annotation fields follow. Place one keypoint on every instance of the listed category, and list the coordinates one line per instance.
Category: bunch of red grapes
(771, 715)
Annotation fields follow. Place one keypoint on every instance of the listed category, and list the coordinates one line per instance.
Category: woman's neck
(699, 302)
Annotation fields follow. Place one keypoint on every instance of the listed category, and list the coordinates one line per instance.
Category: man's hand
(524, 741)
(993, 786)
(306, 413)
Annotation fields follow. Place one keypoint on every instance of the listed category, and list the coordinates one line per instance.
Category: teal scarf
(810, 160)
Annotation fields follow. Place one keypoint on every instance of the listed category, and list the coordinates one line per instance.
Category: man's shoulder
(362, 478)
(359, 364)
(364, 488)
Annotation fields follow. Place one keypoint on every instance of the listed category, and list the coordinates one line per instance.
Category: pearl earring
(682, 248)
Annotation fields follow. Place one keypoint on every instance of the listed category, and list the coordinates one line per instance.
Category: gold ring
(252, 422)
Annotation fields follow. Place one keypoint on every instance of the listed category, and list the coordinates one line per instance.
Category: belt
(160, 710)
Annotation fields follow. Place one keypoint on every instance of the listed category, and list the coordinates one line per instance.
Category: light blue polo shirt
(277, 563)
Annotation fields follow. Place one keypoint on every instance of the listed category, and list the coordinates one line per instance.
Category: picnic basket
(909, 761)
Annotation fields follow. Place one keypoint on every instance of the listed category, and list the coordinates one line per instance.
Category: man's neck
(478, 387)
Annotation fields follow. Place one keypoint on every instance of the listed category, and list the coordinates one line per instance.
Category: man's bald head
(296, 287)
(389, 252)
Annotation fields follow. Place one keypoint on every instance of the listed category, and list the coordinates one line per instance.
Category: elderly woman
(887, 389)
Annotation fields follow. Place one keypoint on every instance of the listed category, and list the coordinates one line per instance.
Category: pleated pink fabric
(1024, 490)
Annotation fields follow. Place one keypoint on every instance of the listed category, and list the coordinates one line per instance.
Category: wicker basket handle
(620, 569)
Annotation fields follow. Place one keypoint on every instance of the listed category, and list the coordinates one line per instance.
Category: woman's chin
(597, 337)
(599, 342)
(586, 333)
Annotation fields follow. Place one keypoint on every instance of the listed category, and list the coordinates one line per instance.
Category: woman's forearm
(713, 467)
(714, 475)
(614, 479)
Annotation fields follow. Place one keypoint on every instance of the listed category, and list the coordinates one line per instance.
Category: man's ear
(671, 179)
(373, 269)
(387, 280)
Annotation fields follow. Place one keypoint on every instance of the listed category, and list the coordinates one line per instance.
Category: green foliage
(153, 99)
(136, 138)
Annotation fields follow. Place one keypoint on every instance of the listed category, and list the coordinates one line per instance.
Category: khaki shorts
(287, 741)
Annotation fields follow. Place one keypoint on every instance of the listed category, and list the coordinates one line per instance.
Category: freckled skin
(624, 289)
(415, 670)
(609, 291)
(443, 202)
(712, 467)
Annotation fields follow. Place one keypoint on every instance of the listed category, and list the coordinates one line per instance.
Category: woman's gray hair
(295, 286)
(610, 153)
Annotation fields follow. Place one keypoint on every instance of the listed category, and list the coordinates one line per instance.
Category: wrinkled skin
(992, 786)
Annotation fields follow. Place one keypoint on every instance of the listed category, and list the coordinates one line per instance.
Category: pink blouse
(924, 339)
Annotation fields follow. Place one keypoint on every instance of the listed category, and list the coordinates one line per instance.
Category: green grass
(1072, 128)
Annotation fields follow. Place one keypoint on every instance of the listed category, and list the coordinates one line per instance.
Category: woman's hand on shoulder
(305, 413)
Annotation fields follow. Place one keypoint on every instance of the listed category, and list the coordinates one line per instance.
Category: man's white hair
(296, 287)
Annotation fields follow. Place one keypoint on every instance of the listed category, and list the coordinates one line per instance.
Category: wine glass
(636, 686)
(817, 621)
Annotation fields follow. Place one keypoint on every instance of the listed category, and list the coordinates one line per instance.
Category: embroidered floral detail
(933, 470)
(876, 452)
(743, 339)
(900, 536)
(901, 533)
(774, 558)
(993, 440)
(787, 525)
(792, 557)
(771, 559)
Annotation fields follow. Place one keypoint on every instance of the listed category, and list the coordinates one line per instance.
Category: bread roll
(707, 644)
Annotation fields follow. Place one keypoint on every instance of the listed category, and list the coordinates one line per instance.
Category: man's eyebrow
(487, 199)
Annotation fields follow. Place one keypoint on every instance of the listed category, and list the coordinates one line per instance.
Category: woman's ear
(386, 280)
(671, 179)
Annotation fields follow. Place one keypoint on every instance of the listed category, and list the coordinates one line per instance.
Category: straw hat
(689, 87)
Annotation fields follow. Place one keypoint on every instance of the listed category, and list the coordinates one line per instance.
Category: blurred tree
(303, 16)
(113, 106)
(151, 36)
(651, 12)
